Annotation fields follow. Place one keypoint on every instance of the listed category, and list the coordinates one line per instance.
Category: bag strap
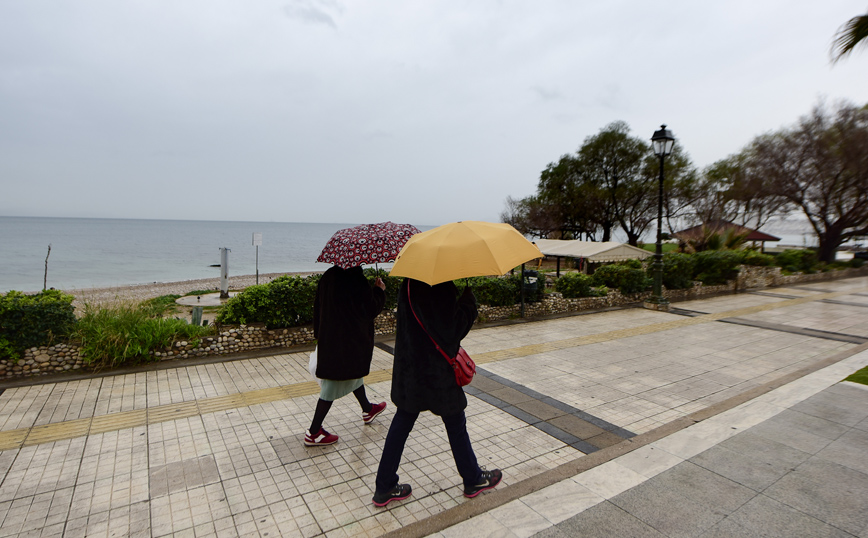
(445, 356)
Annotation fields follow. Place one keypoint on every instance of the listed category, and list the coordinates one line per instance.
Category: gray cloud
(421, 112)
(313, 11)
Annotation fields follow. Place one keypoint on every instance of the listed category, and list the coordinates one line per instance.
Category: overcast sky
(370, 110)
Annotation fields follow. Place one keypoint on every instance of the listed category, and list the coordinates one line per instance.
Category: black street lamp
(662, 141)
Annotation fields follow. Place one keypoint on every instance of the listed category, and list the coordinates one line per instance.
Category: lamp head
(663, 141)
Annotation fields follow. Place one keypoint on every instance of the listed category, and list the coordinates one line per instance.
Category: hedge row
(33, 320)
(287, 301)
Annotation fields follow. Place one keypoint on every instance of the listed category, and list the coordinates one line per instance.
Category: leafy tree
(610, 182)
(568, 200)
(820, 166)
(613, 164)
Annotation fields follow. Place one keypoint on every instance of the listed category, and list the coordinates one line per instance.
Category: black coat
(343, 323)
(422, 379)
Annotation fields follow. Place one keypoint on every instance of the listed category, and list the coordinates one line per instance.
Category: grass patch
(162, 305)
(126, 333)
(667, 247)
(199, 292)
(860, 376)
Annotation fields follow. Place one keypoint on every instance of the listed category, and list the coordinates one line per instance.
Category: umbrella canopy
(366, 243)
(463, 249)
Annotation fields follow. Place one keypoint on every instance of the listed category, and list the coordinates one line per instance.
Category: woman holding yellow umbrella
(431, 314)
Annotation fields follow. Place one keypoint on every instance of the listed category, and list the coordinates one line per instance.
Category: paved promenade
(724, 417)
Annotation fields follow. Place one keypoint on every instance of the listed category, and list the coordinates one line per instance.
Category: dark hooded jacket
(422, 380)
(343, 323)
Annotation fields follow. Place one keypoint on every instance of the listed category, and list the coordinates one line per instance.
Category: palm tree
(849, 36)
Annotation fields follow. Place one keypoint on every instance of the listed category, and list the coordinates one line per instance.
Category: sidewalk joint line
(56, 431)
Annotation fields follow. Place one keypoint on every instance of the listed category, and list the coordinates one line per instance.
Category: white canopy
(593, 251)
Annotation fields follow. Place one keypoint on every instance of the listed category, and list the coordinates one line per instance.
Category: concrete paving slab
(803, 432)
(670, 511)
(604, 521)
(751, 460)
(762, 516)
(832, 493)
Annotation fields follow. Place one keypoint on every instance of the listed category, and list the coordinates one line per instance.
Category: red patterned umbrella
(367, 243)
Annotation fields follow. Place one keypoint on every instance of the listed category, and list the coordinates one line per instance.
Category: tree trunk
(828, 247)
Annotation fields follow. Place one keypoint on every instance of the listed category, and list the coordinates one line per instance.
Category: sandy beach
(141, 292)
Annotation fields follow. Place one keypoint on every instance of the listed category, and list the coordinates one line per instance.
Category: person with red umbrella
(344, 312)
(343, 324)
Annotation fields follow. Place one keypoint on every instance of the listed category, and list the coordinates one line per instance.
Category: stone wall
(254, 337)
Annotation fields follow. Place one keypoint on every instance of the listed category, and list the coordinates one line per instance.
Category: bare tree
(45, 278)
(820, 166)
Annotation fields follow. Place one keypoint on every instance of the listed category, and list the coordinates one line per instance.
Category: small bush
(8, 351)
(127, 333)
(501, 291)
(573, 285)
(715, 267)
(797, 260)
(286, 301)
(757, 259)
(490, 291)
(677, 270)
(34, 320)
(628, 280)
(856, 263)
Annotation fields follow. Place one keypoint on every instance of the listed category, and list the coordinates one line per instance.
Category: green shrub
(756, 258)
(286, 301)
(573, 285)
(8, 351)
(126, 333)
(633, 264)
(856, 262)
(501, 291)
(715, 267)
(677, 270)
(797, 260)
(533, 291)
(490, 291)
(627, 279)
(34, 320)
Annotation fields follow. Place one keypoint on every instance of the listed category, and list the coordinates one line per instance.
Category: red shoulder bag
(461, 364)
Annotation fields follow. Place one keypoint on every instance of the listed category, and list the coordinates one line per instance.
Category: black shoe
(488, 481)
(398, 493)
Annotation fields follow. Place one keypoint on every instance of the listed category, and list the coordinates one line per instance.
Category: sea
(99, 253)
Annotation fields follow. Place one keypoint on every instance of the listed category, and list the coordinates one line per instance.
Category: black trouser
(459, 441)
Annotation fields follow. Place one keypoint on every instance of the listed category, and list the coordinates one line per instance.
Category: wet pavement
(724, 417)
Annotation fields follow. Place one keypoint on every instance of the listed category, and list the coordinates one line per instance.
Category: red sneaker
(322, 438)
(376, 409)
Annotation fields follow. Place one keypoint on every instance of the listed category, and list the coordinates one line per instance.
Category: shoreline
(142, 292)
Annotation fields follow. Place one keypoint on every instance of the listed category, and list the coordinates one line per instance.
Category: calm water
(89, 253)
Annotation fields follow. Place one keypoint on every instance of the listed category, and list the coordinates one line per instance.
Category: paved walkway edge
(500, 497)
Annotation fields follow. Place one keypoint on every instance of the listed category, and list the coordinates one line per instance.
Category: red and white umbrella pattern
(367, 243)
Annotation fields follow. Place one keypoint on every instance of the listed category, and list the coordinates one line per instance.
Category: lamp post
(662, 141)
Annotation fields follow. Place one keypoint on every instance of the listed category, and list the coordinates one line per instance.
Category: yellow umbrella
(461, 250)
